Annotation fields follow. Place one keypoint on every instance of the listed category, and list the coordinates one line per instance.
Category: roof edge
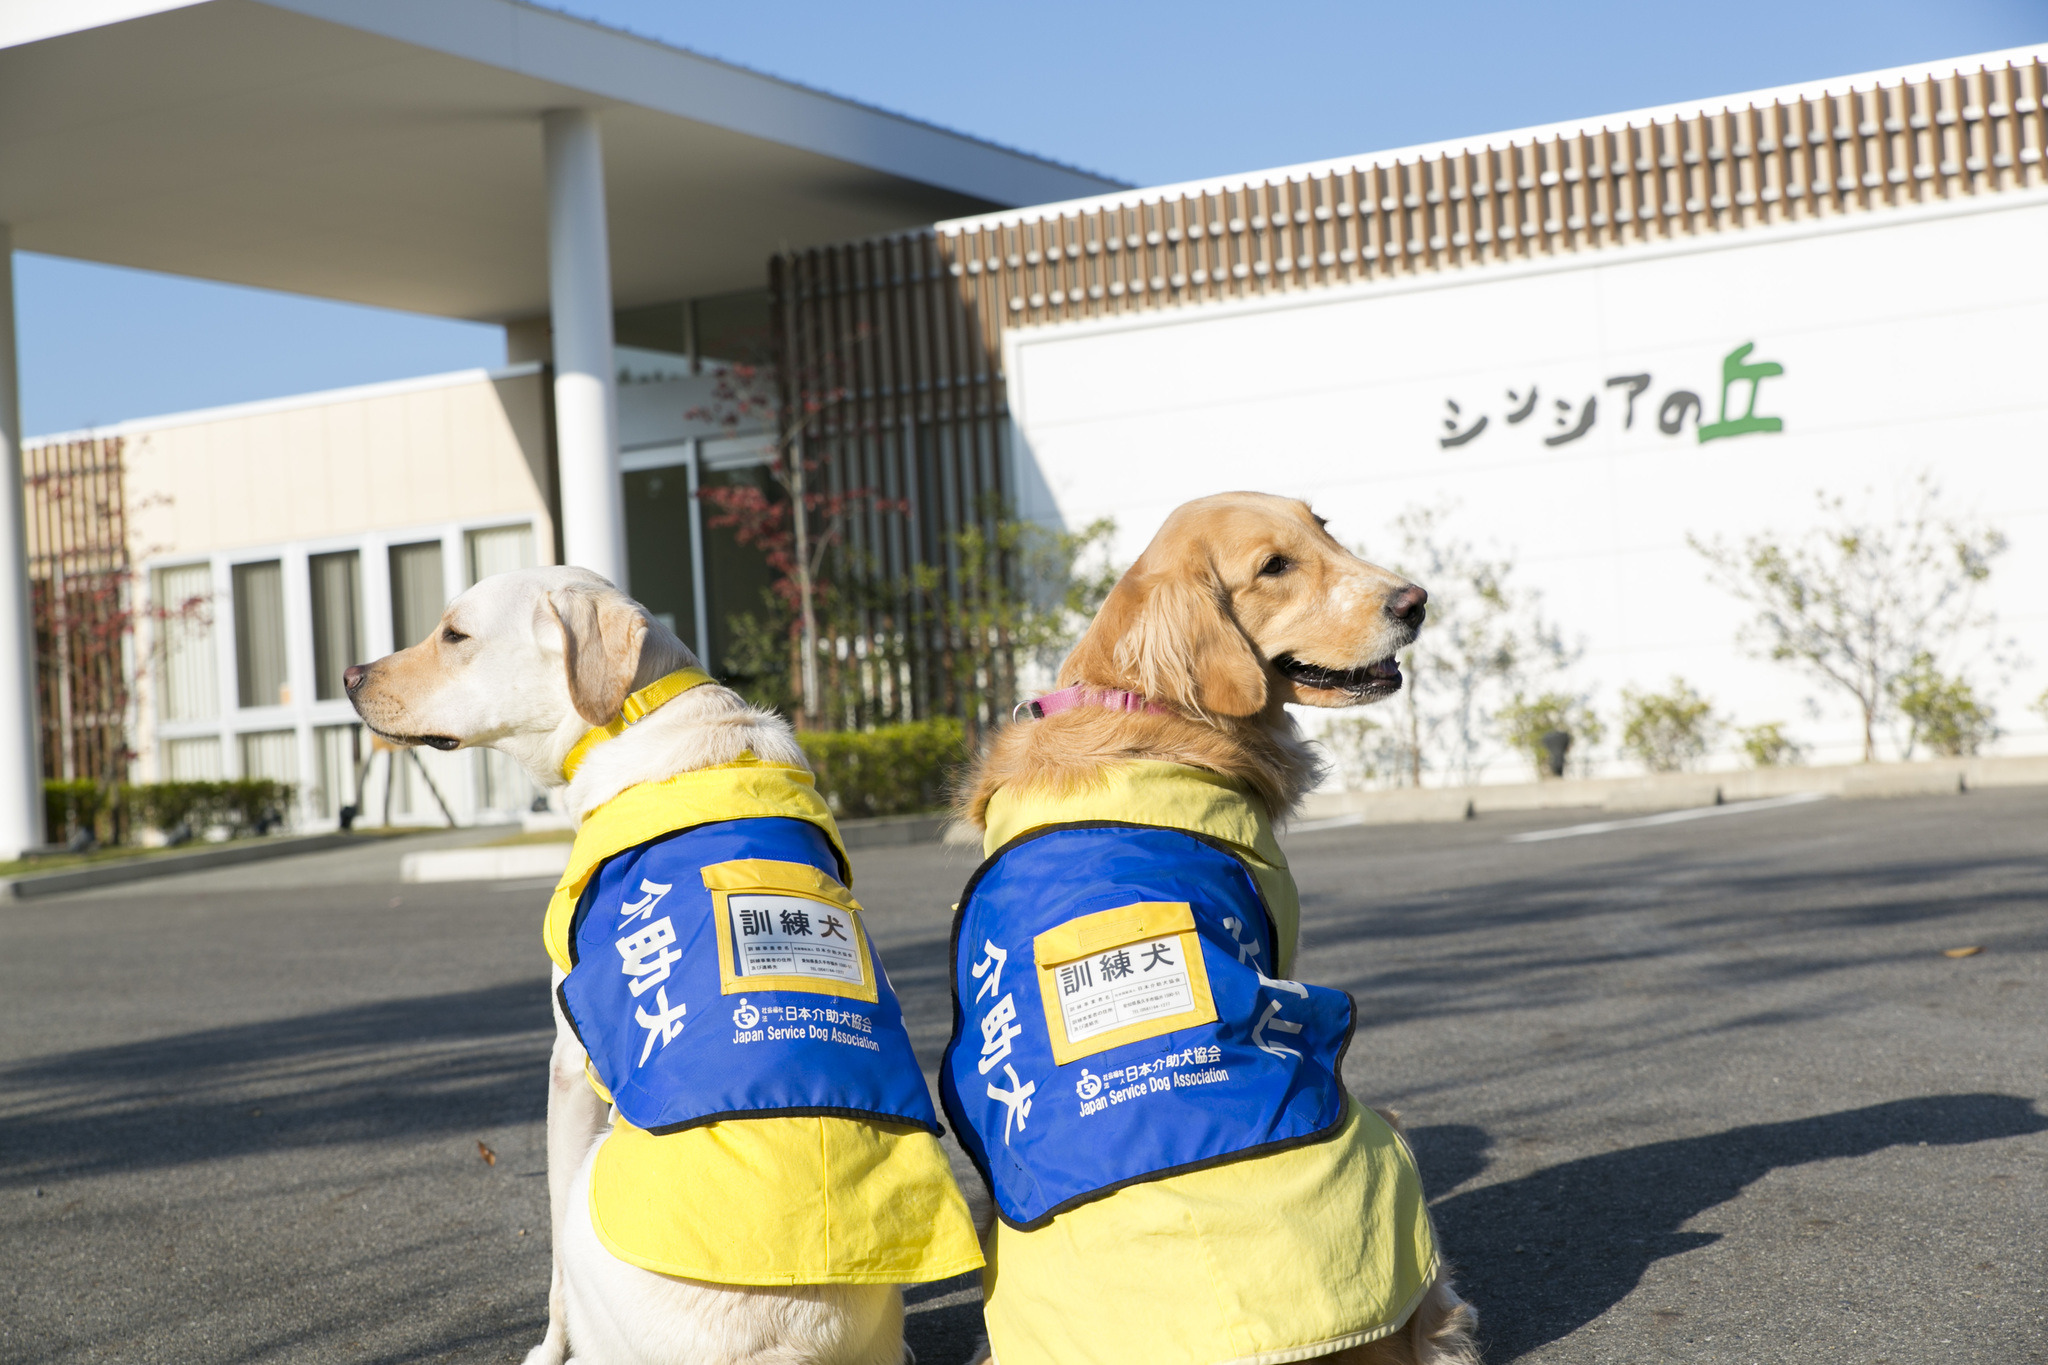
(618, 66)
(389, 388)
(1832, 85)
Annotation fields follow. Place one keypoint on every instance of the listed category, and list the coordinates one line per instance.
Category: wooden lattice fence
(80, 579)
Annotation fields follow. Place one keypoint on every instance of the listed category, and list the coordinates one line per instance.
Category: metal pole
(425, 776)
(586, 381)
(21, 767)
(699, 591)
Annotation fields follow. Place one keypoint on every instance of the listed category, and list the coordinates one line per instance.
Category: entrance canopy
(479, 159)
(390, 152)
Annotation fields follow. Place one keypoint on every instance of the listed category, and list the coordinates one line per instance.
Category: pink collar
(1080, 694)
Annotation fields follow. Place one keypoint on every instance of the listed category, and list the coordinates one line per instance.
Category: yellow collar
(649, 698)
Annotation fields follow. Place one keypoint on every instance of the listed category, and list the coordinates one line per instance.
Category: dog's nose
(1405, 606)
(352, 676)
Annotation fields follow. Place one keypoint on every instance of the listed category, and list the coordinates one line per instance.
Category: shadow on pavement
(1691, 913)
(1543, 1255)
(1449, 1154)
(391, 1068)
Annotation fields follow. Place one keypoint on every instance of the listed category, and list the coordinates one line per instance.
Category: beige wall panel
(270, 470)
(473, 436)
(455, 453)
(302, 435)
(522, 406)
(351, 494)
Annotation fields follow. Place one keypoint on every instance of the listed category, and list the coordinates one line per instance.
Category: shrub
(1667, 731)
(244, 805)
(890, 770)
(1944, 712)
(1768, 746)
(1525, 721)
(72, 805)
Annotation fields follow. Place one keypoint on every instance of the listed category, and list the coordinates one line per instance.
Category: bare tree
(1485, 643)
(1855, 601)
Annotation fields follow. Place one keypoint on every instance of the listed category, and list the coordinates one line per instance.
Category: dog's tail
(1444, 1330)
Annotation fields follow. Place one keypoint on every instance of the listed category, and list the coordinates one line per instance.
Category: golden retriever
(1242, 603)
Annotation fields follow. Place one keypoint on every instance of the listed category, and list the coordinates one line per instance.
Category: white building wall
(361, 470)
(1911, 341)
(444, 458)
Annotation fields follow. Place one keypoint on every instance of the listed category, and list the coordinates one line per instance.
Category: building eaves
(614, 65)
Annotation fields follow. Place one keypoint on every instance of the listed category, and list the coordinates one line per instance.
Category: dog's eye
(1278, 564)
(450, 635)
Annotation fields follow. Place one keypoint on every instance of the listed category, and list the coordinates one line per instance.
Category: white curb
(485, 864)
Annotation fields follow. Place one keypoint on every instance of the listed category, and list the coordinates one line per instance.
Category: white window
(418, 592)
(337, 749)
(189, 682)
(336, 581)
(500, 549)
(262, 676)
(271, 753)
(192, 760)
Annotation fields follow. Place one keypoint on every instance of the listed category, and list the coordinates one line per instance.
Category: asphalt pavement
(1703, 1091)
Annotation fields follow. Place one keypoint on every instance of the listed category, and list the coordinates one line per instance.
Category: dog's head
(525, 662)
(1244, 600)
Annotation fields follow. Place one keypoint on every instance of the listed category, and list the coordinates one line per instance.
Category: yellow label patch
(1121, 975)
(787, 927)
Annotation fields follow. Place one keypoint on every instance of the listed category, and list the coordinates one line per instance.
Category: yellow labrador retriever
(1159, 1111)
(562, 671)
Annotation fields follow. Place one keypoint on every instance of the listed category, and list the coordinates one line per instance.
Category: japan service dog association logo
(1089, 1086)
(746, 1016)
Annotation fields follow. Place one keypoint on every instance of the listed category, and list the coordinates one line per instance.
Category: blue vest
(1113, 1022)
(723, 972)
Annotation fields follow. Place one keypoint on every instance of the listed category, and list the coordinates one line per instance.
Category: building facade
(1581, 351)
(256, 551)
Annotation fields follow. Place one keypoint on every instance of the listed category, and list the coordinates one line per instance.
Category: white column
(580, 300)
(21, 769)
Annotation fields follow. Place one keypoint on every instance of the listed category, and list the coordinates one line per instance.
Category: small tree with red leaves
(797, 531)
(87, 603)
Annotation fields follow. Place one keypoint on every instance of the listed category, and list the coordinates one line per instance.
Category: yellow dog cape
(1271, 1259)
(768, 1201)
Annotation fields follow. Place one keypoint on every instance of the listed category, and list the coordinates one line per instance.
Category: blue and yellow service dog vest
(1114, 1020)
(1286, 1249)
(773, 1126)
(747, 922)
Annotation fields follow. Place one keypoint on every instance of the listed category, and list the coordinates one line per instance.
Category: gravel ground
(1701, 1091)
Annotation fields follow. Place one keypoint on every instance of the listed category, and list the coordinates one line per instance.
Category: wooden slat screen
(918, 417)
(80, 582)
(1916, 142)
(911, 326)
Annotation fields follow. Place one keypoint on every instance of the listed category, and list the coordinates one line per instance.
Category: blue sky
(1147, 92)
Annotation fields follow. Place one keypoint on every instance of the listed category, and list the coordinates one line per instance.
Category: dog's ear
(601, 633)
(1171, 636)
